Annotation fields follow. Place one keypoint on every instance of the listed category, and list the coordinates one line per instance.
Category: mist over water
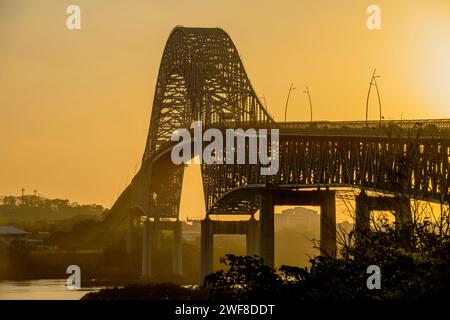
(45, 289)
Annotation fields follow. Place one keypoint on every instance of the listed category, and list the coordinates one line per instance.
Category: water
(51, 289)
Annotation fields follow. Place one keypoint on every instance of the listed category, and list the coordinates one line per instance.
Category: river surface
(51, 289)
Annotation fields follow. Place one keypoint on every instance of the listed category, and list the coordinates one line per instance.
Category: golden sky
(75, 105)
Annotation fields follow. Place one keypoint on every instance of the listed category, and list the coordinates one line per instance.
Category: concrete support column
(328, 224)
(206, 248)
(147, 248)
(402, 211)
(403, 216)
(362, 212)
(130, 232)
(252, 237)
(156, 234)
(177, 249)
(266, 229)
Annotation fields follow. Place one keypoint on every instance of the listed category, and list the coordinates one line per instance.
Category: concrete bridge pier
(150, 228)
(362, 212)
(210, 227)
(325, 199)
(328, 224)
(177, 248)
(147, 248)
(206, 248)
(266, 229)
(399, 205)
(156, 234)
(252, 236)
(402, 211)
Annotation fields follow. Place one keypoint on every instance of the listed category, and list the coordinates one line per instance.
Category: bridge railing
(387, 128)
(437, 124)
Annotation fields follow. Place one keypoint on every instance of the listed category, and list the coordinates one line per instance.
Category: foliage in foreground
(160, 291)
(414, 263)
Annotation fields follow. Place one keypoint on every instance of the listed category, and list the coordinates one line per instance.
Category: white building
(13, 238)
(298, 217)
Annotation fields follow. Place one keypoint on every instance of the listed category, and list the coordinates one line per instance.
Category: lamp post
(287, 101)
(373, 82)
(310, 103)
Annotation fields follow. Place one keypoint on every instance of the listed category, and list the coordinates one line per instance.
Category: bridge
(201, 77)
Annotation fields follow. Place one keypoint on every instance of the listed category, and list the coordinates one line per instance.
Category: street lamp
(287, 101)
(373, 82)
(310, 103)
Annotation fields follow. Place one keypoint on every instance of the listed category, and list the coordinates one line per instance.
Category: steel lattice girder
(418, 168)
(201, 77)
(204, 68)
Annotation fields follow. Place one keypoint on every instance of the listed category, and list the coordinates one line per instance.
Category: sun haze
(75, 104)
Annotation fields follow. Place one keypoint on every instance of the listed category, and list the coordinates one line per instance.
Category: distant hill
(30, 208)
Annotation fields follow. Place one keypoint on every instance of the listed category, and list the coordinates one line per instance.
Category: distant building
(13, 238)
(298, 217)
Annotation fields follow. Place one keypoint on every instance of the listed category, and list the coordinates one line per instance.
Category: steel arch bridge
(201, 77)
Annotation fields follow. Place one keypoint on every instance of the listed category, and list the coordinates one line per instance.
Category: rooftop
(11, 230)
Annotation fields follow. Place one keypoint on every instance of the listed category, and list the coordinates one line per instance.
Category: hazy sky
(75, 105)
